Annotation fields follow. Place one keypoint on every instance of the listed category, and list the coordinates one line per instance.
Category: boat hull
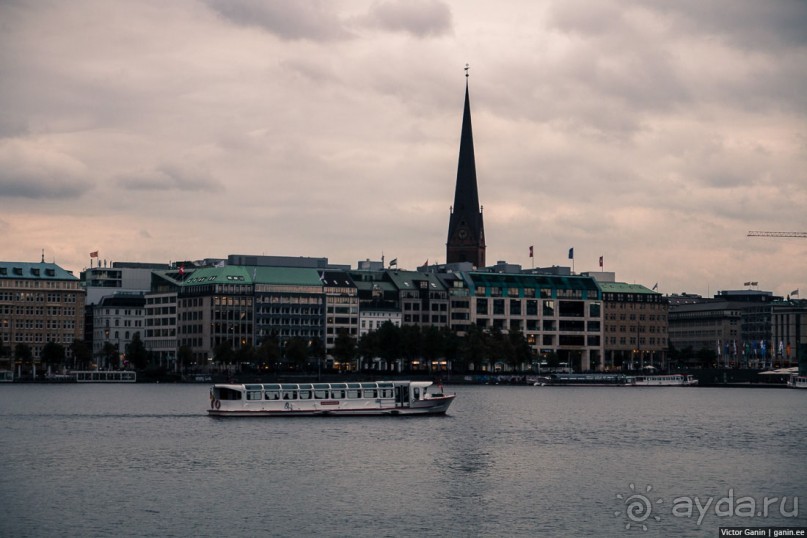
(438, 407)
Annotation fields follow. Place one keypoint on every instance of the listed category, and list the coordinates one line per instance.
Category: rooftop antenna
(467, 67)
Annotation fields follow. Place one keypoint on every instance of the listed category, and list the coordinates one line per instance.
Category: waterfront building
(39, 303)
(116, 320)
(378, 298)
(789, 332)
(459, 297)
(215, 307)
(341, 306)
(241, 306)
(289, 303)
(422, 298)
(161, 316)
(634, 326)
(119, 277)
(466, 230)
(735, 325)
(559, 315)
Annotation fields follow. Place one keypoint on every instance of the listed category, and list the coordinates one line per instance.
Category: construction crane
(777, 234)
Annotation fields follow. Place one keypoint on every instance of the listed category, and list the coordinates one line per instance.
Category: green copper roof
(34, 271)
(623, 287)
(537, 281)
(242, 274)
(409, 280)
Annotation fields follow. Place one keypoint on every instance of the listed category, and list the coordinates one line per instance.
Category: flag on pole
(531, 251)
(600, 262)
(571, 253)
(393, 262)
(94, 254)
(655, 286)
(794, 293)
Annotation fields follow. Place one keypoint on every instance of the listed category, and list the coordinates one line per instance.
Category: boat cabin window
(229, 394)
(289, 394)
(353, 393)
(272, 394)
(386, 393)
(254, 395)
(369, 390)
(306, 394)
(321, 391)
(337, 394)
(416, 392)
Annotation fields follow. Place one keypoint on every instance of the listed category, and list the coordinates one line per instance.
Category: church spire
(466, 235)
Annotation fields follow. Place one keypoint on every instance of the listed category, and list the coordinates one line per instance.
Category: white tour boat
(104, 376)
(673, 380)
(797, 381)
(351, 399)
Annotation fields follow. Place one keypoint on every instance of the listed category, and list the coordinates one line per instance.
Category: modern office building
(240, 306)
(119, 277)
(736, 325)
(557, 314)
(789, 336)
(341, 306)
(161, 316)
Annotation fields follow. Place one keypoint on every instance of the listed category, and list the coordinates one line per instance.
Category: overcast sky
(654, 134)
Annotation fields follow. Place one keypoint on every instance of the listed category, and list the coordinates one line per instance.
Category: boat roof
(350, 384)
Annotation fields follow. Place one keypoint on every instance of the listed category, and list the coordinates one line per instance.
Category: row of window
(39, 311)
(38, 323)
(37, 297)
(48, 284)
(38, 338)
(319, 391)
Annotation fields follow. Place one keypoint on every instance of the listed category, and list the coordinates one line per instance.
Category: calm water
(145, 460)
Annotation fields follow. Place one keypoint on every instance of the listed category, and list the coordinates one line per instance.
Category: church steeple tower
(466, 232)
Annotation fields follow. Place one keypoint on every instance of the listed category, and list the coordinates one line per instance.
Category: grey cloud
(169, 177)
(12, 125)
(30, 171)
(421, 18)
(313, 20)
(750, 24)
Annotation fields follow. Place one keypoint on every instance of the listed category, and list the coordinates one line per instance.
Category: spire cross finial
(467, 67)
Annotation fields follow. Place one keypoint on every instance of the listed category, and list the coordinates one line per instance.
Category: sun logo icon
(638, 507)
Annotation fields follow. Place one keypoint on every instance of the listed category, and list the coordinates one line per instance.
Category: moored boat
(104, 376)
(672, 380)
(306, 399)
(797, 382)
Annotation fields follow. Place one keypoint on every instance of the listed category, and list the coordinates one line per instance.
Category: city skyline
(653, 136)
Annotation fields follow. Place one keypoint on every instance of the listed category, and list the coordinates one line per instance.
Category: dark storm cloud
(314, 20)
(421, 18)
(169, 177)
